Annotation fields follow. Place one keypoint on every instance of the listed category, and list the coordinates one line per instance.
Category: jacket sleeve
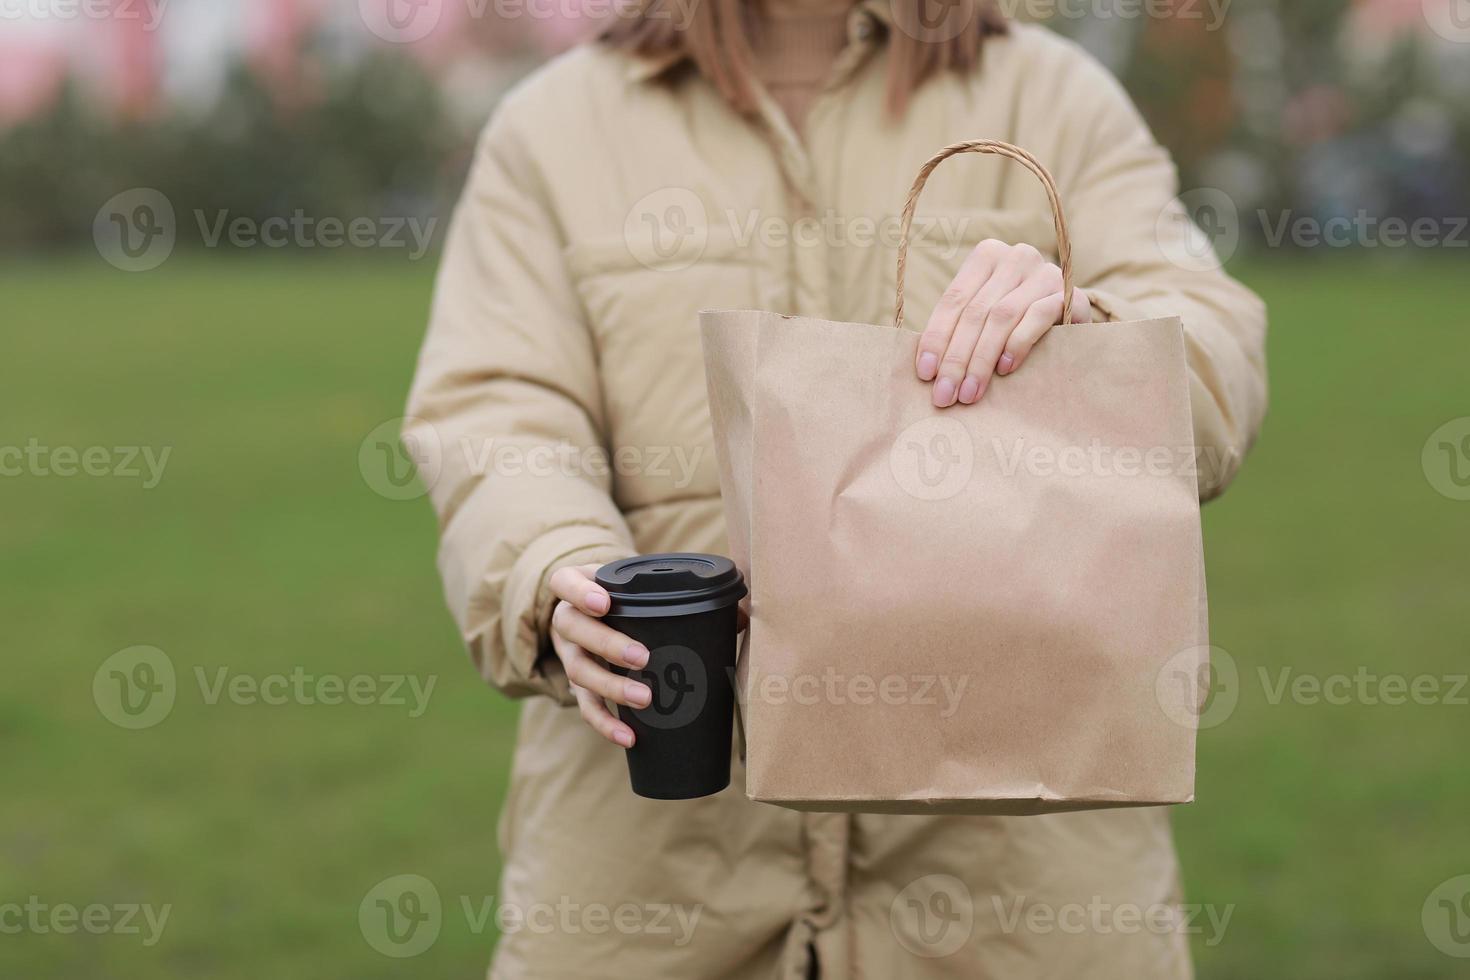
(1140, 255)
(507, 392)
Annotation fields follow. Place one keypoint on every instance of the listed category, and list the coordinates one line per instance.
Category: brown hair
(717, 36)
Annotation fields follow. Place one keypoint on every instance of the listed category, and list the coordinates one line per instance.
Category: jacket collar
(867, 15)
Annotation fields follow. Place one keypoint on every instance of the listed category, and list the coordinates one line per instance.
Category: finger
(597, 638)
(603, 721)
(589, 672)
(974, 271)
(1004, 317)
(1037, 323)
(575, 584)
(1011, 272)
(1082, 311)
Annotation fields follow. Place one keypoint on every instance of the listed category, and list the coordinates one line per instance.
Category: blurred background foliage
(1319, 108)
(1312, 108)
(374, 140)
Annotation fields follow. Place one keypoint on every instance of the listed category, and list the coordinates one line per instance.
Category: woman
(757, 157)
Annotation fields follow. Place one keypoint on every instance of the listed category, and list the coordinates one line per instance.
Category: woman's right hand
(586, 645)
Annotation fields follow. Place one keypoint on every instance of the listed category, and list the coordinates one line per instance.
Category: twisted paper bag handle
(1064, 243)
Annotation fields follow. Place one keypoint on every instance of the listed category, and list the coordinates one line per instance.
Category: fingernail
(1007, 364)
(623, 738)
(637, 694)
(928, 366)
(969, 390)
(597, 602)
(635, 655)
(943, 393)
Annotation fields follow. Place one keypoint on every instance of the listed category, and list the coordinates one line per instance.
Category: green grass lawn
(262, 550)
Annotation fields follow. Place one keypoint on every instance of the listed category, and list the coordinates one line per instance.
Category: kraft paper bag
(990, 609)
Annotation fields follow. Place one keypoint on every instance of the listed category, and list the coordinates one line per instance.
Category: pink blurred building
(1391, 16)
(134, 61)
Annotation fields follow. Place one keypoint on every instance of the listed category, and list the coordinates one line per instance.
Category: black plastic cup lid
(671, 585)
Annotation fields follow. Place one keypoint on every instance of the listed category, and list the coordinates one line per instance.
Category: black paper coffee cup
(683, 608)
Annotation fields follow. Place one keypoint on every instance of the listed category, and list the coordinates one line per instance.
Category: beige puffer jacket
(562, 385)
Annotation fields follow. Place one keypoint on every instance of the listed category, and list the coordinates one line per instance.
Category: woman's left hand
(1003, 300)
